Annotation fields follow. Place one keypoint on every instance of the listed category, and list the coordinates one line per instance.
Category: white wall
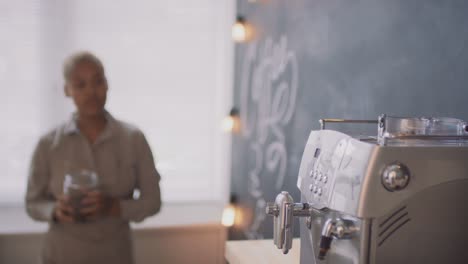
(169, 65)
(20, 111)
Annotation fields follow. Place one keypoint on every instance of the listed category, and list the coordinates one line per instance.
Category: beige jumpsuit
(123, 161)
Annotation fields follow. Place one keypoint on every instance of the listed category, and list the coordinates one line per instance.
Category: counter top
(260, 252)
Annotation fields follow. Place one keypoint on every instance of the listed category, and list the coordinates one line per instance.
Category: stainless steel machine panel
(398, 197)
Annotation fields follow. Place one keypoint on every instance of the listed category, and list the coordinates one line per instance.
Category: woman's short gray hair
(78, 57)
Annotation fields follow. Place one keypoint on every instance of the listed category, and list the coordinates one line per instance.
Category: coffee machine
(400, 196)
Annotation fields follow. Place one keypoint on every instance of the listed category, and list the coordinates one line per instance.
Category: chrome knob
(395, 177)
(340, 231)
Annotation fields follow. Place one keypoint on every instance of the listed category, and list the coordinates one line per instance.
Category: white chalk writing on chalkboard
(268, 100)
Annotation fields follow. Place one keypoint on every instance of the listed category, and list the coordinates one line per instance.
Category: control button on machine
(395, 177)
(311, 173)
(319, 191)
(325, 179)
(315, 189)
(311, 187)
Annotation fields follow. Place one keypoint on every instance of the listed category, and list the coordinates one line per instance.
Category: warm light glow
(239, 32)
(228, 124)
(231, 124)
(229, 216)
(242, 31)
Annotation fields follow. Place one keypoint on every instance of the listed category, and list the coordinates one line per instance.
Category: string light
(232, 122)
(231, 213)
(229, 216)
(241, 30)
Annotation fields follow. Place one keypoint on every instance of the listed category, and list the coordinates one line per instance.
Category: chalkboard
(313, 59)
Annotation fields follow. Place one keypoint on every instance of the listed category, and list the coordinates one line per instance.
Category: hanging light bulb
(241, 30)
(231, 213)
(228, 124)
(232, 122)
(229, 216)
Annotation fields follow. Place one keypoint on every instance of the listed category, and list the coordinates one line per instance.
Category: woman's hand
(96, 204)
(63, 212)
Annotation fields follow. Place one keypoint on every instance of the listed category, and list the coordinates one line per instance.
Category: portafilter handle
(283, 211)
(282, 224)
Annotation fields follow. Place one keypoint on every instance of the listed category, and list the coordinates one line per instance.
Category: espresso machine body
(365, 201)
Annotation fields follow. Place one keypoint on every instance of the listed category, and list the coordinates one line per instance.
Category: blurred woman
(96, 231)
